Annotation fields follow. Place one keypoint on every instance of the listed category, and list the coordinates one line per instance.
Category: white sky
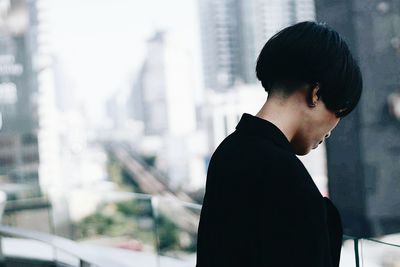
(101, 43)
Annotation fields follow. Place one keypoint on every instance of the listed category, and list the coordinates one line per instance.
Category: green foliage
(131, 218)
(101, 222)
(114, 171)
(128, 181)
(123, 220)
(149, 160)
(193, 245)
(116, 220)
(121, 177)
(135, 208)
(168, 234)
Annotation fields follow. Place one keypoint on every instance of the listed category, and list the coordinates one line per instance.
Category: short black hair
(309, 53)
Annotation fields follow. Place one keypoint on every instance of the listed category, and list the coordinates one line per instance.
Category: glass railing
(127, 229)
(142, 230)
(166, 227)
(156, 230)
(371, 252)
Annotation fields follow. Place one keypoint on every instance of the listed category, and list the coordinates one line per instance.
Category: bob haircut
(311, 53)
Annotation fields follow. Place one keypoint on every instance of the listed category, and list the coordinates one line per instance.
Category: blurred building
(163, 96)
(234, 31)
(117, 108)
(166, 82)
(135, 107)
(223, 110)
(364, 153)
(19, 153)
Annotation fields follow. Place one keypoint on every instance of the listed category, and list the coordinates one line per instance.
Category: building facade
(19, 153)
(234, 31)
(364, 152)
(164, 90)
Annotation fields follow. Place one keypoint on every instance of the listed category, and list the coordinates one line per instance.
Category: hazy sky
(101, 43)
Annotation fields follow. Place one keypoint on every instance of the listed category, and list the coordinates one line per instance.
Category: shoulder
(252, 147)
(257, 157)
(256, 154)
(250, 160)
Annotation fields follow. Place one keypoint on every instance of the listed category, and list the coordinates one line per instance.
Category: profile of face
(317, 125)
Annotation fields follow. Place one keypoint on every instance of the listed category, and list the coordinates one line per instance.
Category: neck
(283, 113)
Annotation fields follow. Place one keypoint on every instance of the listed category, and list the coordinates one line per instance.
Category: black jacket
(261, 207)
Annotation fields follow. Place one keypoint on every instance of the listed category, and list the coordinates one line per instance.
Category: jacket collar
(256, 126)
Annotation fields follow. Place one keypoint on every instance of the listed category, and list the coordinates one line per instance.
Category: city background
(111, 110)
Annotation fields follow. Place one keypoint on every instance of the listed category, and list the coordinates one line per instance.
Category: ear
(313, 95)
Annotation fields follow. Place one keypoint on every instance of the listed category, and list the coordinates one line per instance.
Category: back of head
(310, 53)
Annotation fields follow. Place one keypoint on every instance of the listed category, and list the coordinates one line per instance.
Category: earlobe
(314, 95)
(312, 105)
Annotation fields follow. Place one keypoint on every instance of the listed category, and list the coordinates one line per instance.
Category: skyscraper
(164, 87)
(364, 153)
(19, 153)
(234, 31)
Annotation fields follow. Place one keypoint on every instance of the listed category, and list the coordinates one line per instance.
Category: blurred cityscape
(111, 110)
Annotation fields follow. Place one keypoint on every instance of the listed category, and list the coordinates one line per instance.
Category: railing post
(356, 254)
(83, 263)
(2, 259)
(154, 209)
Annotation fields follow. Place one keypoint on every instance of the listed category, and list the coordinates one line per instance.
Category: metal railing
(86, 258)
(360, 254)
(181, 212)
(178, 209)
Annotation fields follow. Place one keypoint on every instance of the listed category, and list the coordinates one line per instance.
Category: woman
(261, 207)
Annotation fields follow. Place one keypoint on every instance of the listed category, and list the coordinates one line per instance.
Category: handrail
(29, 203)
(356, 245)
(86, 257)
(382, 242)
(90, 258)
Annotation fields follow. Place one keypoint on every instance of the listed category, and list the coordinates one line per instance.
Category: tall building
(234, 31)
(166, 82)
(19, 153)
(135, 109)
(164, 90)
(364, 153)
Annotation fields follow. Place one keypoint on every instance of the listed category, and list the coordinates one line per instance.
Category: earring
(313, 105)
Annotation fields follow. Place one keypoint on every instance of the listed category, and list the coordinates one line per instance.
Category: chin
(303, 148)
(302, 152)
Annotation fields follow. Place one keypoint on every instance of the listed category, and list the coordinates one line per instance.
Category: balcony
(150, 218)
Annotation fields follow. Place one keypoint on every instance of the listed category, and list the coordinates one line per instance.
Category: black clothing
(261, 207)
